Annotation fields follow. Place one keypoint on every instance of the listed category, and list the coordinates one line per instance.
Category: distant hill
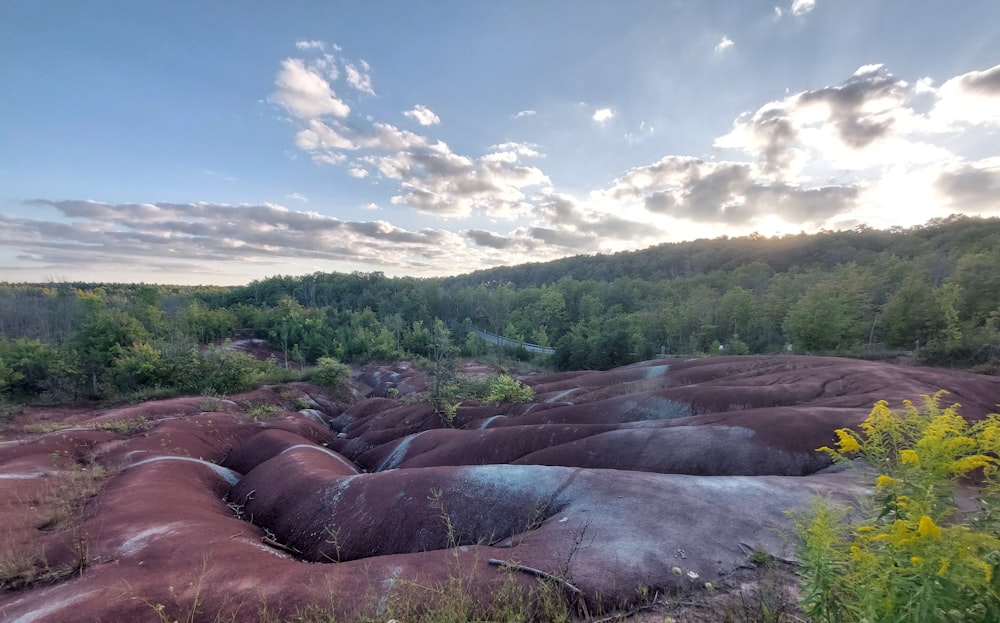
(947, 237)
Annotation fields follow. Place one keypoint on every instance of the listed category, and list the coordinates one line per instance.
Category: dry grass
(23, 561)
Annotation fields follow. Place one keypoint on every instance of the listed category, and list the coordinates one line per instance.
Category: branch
(548, 576)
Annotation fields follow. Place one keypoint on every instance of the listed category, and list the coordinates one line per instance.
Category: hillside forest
(931, 291)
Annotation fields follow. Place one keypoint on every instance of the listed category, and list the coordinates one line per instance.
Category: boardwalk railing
(507, 343)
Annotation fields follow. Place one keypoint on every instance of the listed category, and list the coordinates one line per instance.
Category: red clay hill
(665, 474)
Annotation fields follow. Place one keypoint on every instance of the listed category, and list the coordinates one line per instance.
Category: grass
(124, 426)
(262, 411)
(24, 564)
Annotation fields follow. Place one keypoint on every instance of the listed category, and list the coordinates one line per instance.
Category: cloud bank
(874, 149)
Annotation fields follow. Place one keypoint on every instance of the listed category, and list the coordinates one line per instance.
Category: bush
(504, 388)
(329, 373)
(223, 370)
(139, 366)
(915, 556)
(31, 367)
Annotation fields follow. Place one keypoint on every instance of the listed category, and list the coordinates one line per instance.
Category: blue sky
(219, 142)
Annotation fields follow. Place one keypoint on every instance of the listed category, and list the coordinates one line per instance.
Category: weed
(124, 426)
(23, 565)
(260, 412)
(211, 400)
(45, 427)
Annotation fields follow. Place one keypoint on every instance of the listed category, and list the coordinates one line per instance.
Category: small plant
(125, 426)
(211, 400)
(915, 557)
(45, 427)
(262, 411)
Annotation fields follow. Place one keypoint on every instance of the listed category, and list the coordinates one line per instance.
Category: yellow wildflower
(985, 568)
(885, 482)
(927, 527)
(909, 456)
(968, 464)
(916, 561)
(846, 441)
(945, 565)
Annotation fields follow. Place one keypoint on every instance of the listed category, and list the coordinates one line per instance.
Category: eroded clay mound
(611, 480)
(718, 416)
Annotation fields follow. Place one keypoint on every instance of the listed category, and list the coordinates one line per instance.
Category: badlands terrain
(628, 485)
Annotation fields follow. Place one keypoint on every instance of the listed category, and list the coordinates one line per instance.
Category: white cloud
(329, 158)
(306, 94)
(422, 115)
(801, 7)
(525, 113)
(724, 44)
(778, 12)
(310, 45)
(318, 136)
(297, 197)
(869, 121)
(603, 115)
(865, 139)
(358, 79)
(869, 69)
(176, 238)
(527, 150)
(972, 98)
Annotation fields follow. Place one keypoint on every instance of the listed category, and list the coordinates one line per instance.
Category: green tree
(829, 317)
(96, 341)
(31, 367)
(139, 366)
(285, 325)
(912, 315)
(442, 360)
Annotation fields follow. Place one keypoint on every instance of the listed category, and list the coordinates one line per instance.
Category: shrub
(223, 370)
(504, 388)
(915, 556)
(329, 373)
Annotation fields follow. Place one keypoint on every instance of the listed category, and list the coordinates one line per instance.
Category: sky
(192, 142)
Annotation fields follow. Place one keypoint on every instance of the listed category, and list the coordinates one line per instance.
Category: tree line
(932, 290)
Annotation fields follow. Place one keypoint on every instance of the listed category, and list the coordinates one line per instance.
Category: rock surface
(611, 480)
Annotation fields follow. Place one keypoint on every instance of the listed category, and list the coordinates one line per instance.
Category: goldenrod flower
(968, 464)
(909, 456)
(945, 565)
(885, 482)
(928, 528)
(846, 441)
(916, 561)
(985, 568)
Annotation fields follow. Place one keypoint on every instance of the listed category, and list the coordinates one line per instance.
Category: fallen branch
(581, 602)
(749, 552)
(285, 548)
(627, 615)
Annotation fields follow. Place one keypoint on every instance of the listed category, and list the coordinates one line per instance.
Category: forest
(930, 291)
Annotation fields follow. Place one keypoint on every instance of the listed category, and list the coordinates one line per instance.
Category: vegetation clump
(928, 550)
(329, 373)
(504, 388)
